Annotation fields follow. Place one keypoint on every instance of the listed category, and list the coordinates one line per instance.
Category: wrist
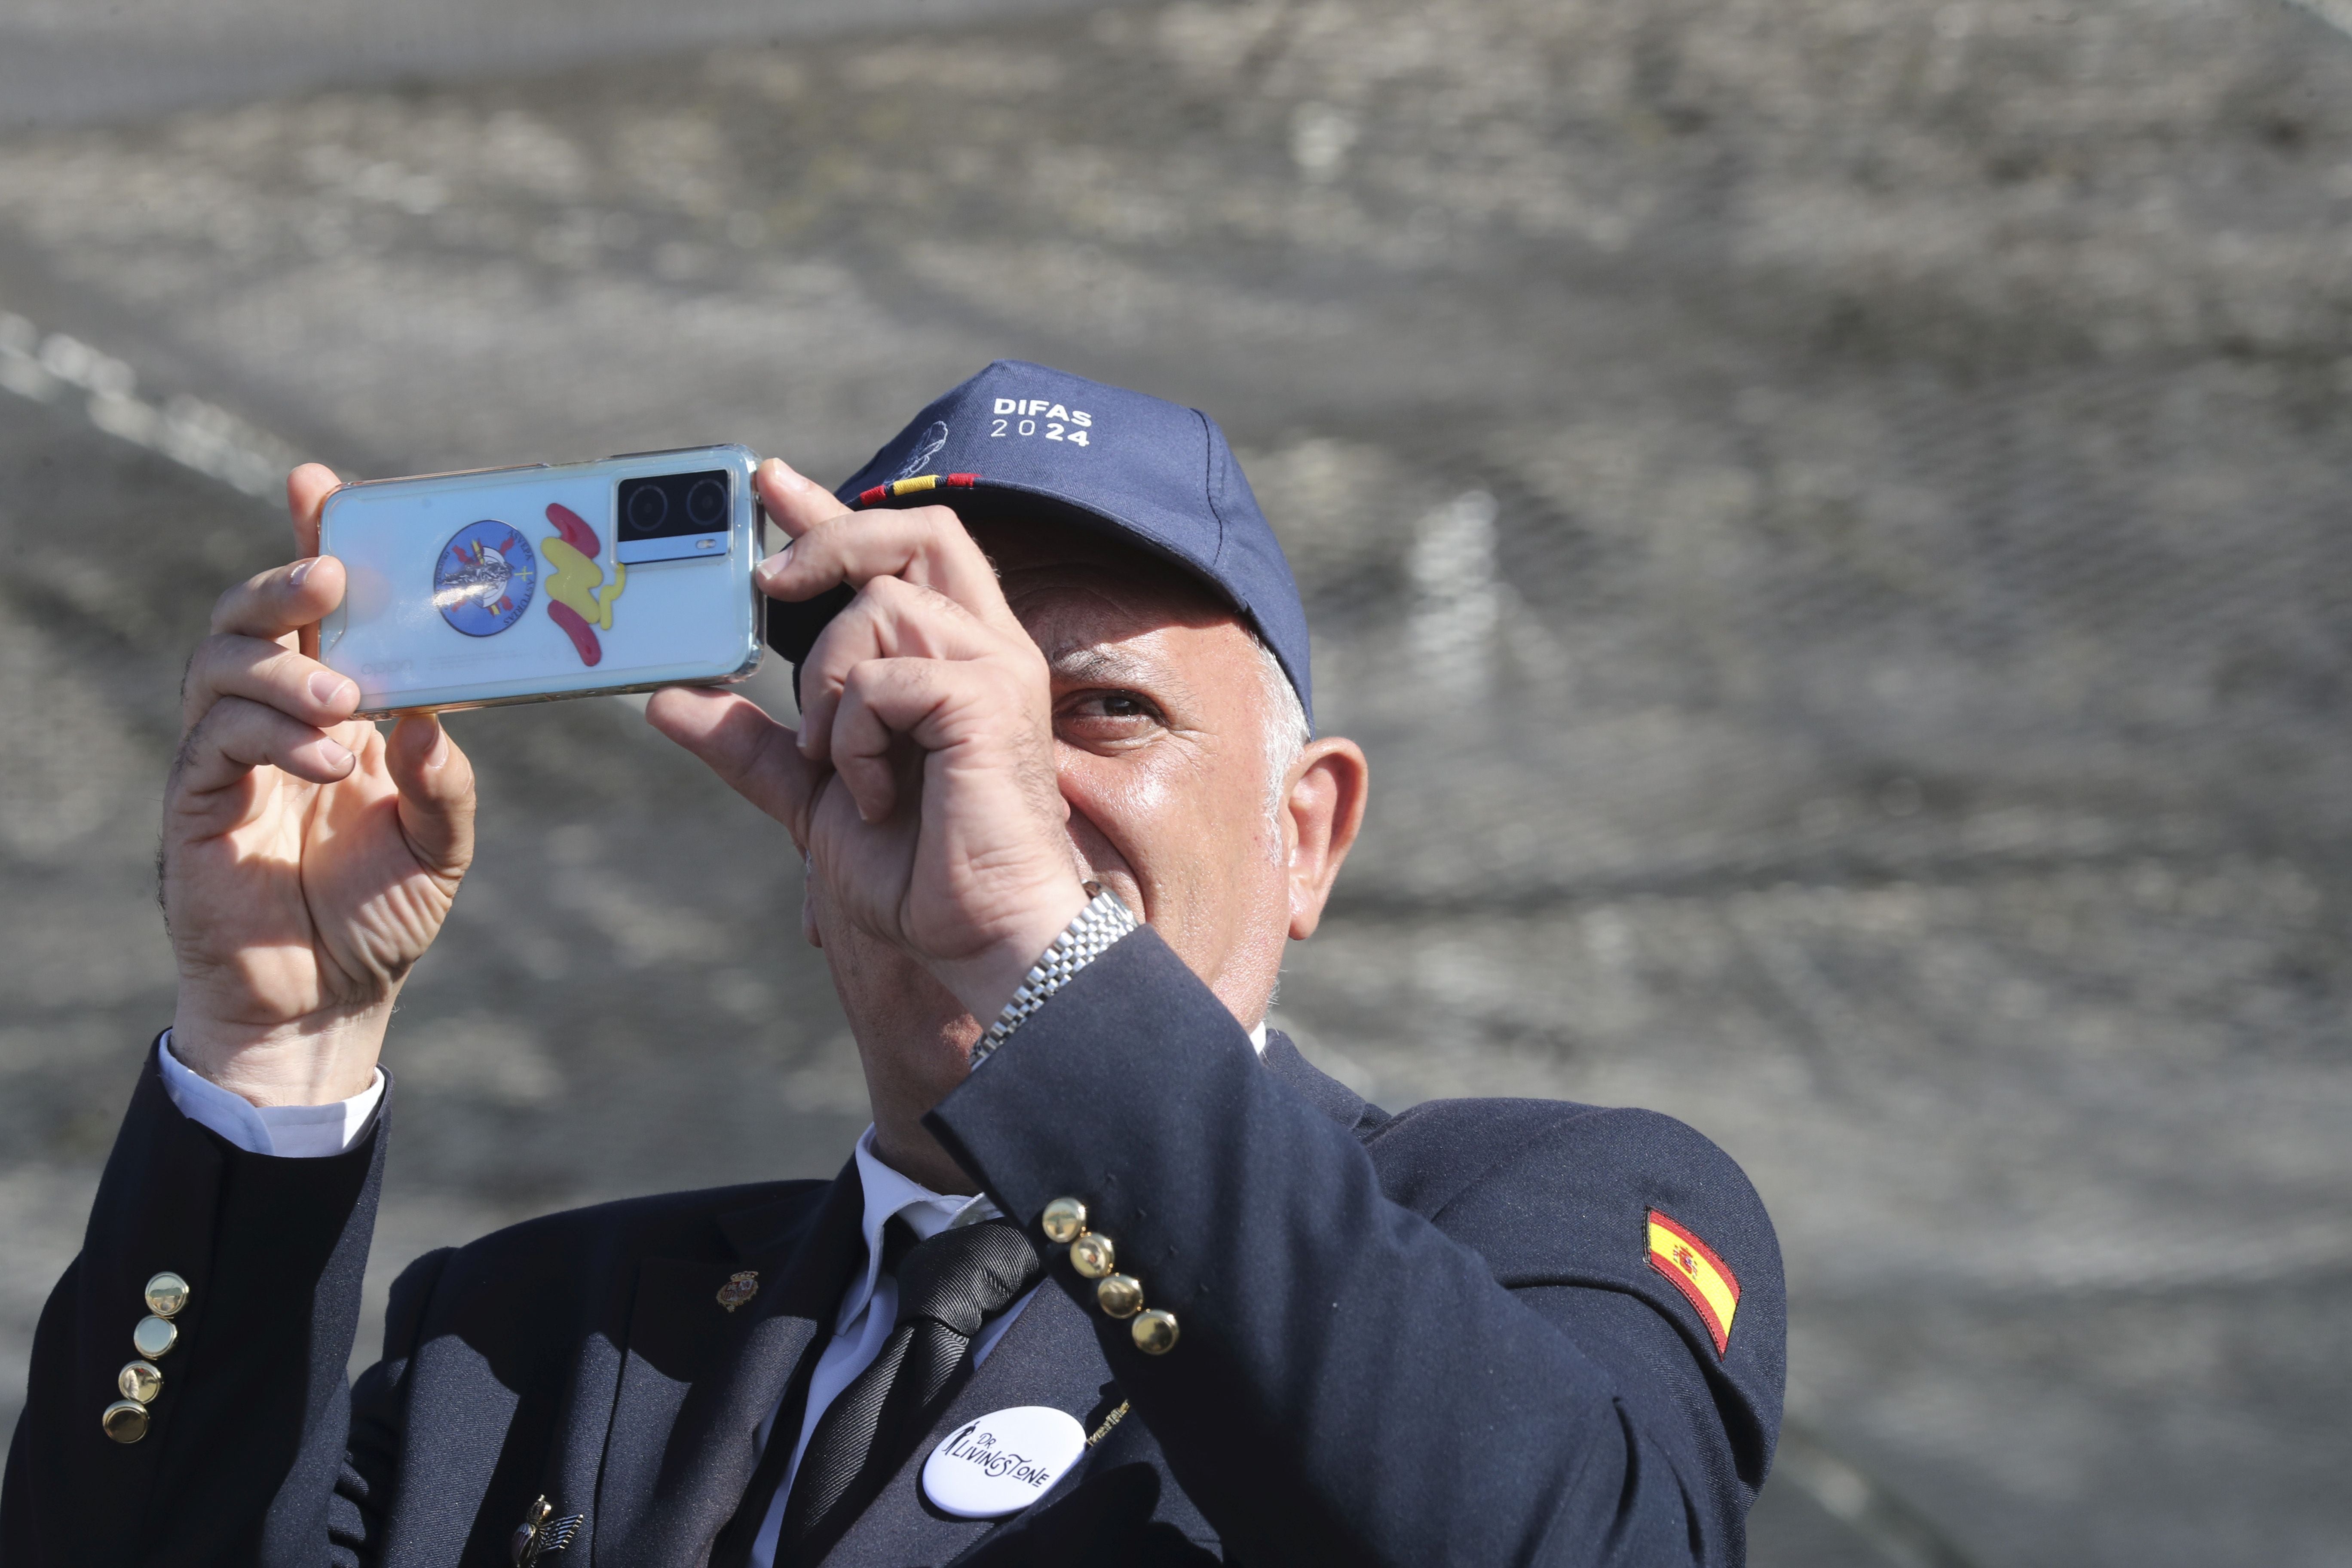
(985, 982)
(317, 1060)
(1102, 922)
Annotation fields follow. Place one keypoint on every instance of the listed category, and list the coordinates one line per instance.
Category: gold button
(166, 1294)
(139, 1381)
(1154, 1332)
(1065, 1221)
(1120, 1295)
(1093, 1256)
(125, 1421)
(154, 1337)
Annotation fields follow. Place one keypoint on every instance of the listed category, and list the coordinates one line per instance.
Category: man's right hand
(308, 861)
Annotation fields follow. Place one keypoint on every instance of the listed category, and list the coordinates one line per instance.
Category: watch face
(483, 582)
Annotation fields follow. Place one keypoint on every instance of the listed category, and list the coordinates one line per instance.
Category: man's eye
(1098, 707)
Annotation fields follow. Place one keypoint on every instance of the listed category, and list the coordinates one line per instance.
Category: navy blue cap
(1022, 440)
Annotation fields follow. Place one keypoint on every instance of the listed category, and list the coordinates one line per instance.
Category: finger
(267, 673)
(861, 745)
(239, 735)
(436, 793)
(753, 754)
(283, 600)
(306, 490)
(931, 702)
(927, 546)
(795, 503)
(890, 618)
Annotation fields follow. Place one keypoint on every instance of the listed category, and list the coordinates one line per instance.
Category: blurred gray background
(1831, 519)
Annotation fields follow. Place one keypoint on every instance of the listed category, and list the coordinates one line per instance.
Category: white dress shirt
(289, 1131)
(869, 1307)
(869, 1310)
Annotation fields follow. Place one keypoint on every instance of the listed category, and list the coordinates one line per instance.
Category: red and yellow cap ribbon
(1705, 1279)
(916, 486)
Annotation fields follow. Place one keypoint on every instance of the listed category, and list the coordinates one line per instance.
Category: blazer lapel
(697, 1380)
(1049, 1357)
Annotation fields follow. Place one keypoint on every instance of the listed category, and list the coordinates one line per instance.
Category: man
(1114, 1277)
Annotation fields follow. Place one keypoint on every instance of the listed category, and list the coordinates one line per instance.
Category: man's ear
(1323, 810)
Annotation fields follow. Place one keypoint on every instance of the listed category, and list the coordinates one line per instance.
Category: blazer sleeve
(1508, 1381)
(246, 1446)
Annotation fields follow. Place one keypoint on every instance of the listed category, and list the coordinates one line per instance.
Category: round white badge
(1003, 1462)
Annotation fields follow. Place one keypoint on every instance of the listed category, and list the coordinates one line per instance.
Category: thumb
(307, 489)
(436, 793)
(759, 758)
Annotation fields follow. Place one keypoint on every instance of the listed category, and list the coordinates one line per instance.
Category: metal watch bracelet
(1087, 937)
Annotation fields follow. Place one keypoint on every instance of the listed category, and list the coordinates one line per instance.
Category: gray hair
(1287, 731)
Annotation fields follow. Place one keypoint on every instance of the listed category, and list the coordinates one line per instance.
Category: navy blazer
(1441, 1336)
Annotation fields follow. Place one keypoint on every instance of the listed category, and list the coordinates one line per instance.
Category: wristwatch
(1087, 937)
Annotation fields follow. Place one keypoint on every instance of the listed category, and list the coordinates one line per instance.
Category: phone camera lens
(646, 509)
(706, 503)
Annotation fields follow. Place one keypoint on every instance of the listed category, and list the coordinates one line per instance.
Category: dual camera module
(674, 503)
(667, 517)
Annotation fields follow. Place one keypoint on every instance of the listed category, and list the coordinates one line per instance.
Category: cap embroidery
(935, 436)
(916, 486)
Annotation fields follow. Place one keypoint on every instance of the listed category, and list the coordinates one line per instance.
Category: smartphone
(526, 584)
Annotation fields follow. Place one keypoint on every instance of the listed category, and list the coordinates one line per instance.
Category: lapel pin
(1003, 1462)
(739, 1288)
(541, 1534)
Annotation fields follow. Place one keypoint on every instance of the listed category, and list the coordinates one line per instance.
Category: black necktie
(948, 1288)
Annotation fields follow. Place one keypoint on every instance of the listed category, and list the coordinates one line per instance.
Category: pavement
(1827, 518)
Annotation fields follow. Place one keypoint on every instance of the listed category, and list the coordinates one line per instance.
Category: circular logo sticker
(1003, 1462)
(483, 582)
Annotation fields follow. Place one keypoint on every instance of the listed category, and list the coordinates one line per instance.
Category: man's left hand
(922, 781)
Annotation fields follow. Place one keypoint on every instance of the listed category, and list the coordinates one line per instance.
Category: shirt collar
(891, 1194)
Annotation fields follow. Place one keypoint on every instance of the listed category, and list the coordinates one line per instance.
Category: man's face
(1161, 715)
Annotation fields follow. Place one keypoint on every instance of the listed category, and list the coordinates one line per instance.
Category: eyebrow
(1096, 665)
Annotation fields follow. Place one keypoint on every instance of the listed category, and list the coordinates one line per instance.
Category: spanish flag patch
(1703, 1278)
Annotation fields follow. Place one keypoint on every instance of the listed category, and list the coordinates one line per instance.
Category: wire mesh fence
(1830, 520)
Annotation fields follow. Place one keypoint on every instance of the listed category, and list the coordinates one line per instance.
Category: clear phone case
(521, 585)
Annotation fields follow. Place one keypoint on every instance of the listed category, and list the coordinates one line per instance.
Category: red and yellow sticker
(1705, 1279)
